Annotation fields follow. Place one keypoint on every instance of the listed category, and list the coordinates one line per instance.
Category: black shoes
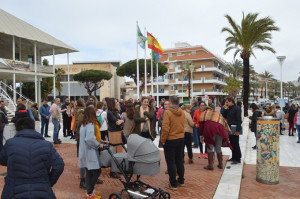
(47, 136)
(82, 183)
(114, 175)
(230, 160)
(254, 147)
(57, 142)
(99, 181)
(235, 162)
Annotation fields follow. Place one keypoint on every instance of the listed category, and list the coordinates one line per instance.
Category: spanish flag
(154, 45)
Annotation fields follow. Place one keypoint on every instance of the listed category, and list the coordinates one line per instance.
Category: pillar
(20, 51)
(39, 93)
(20, 87)
(53, 66)
(69, 92)
(267, 168)
(35, 70)
(13, 48)
(14, 87)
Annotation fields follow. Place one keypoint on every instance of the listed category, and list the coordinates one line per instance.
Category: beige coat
(188, 122)
(55, 112)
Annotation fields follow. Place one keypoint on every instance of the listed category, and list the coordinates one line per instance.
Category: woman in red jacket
(196, 121)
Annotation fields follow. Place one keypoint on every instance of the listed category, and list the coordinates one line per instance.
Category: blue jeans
(56, 129)
(298, 129)
(196, 136)
(1, 139)
(45, 124)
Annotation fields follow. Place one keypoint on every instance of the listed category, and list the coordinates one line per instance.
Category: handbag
(73, 124)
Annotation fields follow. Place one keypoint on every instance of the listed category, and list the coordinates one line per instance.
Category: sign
(281, 102)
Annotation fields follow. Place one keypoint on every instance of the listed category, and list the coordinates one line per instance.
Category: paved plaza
(236, 181)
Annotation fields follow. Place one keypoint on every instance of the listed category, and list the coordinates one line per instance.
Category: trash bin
(267, 168)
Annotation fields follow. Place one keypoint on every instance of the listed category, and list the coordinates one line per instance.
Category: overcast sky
(106, 30)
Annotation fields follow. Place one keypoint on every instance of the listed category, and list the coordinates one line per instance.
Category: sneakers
(201, 155)
(96, 192)
(205, 156)
(181, 185)
(171, 188)
(92, 196)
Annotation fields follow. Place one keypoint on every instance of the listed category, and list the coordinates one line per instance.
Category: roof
(183, 49)
(11, 25)
(113, 62)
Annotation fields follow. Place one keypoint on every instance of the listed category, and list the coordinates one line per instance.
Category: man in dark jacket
(234, 119)
(33, 165)
(66, 119)
(45, 117)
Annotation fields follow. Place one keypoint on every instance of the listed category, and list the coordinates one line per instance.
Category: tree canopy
(129, 70)
(92, 79)
(233, 87)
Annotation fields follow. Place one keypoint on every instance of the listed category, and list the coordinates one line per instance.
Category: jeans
(196, 136)
(91, 179)
(45, 124)
(173, 154)
(297, 127)
(56, 129)
(236, 151)
(188, 143)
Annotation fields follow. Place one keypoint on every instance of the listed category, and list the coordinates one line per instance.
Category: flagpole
(151, 75)
(157, 98)
(137, 63)
(145, 68)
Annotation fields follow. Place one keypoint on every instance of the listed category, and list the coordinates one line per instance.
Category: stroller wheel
(164, 195)
(114, 196)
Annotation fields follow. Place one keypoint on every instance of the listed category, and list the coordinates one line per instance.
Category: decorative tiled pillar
(267, 168)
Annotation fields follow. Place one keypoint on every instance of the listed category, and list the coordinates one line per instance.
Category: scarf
(210, 115)
(142, 116)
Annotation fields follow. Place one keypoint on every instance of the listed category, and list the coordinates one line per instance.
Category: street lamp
(281, 60)
(267, 96)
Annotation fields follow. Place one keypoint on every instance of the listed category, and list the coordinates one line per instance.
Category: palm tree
(266, 75)
(235, 68)
(252, 34)
(59, 72)
(188, 68)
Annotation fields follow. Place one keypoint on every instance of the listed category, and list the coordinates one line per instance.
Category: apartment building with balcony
(208, 77)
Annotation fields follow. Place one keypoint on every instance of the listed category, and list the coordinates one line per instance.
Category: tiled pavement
(200, 183)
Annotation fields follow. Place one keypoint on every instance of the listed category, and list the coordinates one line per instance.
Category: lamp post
(281, 60)
(267, 88)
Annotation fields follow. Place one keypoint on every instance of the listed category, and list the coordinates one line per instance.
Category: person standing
(66, 119)
(280, 115)
(297, 123)
(70, 113)
(56, 117)
(101, 113)
(114, 127)
(45, 117)
(143, 118)
(33, 165)
(22, 100)
(213, 129)
(89, 149)
(3, 121)
(211, 105)
(188, 131)
(256, 113)
(21, 112)
(291, 116)
(234, 120)
(128, 118)
(2, 107)
(195, 129)
(35, 111)
(172, 138)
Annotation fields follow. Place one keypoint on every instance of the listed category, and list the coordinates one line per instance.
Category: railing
(7, 96)
(20, 95)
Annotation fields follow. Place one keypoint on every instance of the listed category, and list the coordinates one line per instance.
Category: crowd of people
(94, 123)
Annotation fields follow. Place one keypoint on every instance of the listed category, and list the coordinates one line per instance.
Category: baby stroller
(142, 158)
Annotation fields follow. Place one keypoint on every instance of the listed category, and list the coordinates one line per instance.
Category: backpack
(99, 118)
(79, 117)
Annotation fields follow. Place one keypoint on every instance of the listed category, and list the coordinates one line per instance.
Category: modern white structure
(22, 47)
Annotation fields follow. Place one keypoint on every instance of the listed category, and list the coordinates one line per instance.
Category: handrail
(7, 96)
(22, 96)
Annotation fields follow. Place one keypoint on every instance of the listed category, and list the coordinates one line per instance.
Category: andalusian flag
(141, 38)
(153, 44)
(155, 57)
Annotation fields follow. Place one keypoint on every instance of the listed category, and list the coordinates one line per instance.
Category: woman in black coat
(256, 114)
(20, 113)
(291, 113)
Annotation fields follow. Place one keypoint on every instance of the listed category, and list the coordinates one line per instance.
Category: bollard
(267, 168)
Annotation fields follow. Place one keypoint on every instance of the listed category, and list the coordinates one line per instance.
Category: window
(172, 66)
(193, 52)
(172, 76)
(170, 55)
(173, 87)
(184, 77)
(179, 54)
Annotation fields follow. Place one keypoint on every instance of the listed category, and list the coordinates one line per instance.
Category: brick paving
(288, 186)
(200, 183)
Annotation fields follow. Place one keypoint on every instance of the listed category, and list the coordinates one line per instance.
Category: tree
(233, 87)
(47, 83)
(92, 79)
(129, 70)
(235, 68)
(188, 69)
(266, 75)
(252, 34)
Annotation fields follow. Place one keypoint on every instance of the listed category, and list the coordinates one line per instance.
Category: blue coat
(33, 166)
(44, 112)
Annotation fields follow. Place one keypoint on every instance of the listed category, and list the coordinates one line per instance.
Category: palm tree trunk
(189, 85)
(246, 85)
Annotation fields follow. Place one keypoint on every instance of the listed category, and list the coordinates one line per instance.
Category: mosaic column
(267, 168)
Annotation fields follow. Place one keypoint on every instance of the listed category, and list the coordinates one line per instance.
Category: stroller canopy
(140, 149)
